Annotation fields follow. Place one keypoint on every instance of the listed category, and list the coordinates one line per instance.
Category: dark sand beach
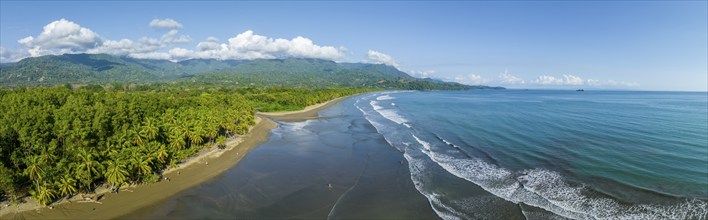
(335, 167)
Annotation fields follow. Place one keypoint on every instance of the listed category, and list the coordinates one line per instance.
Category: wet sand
(191, 173)
(336, 167)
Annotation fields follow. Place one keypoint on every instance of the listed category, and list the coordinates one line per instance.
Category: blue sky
(611, 45)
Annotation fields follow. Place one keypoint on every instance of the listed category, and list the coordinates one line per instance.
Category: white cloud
(470, 79)
(208, 45)
(421, 74)
(565, 80)
(165, 24)
(572, 80)
(61, 36)
(613, 83)
(12, 55)
(593, 82)
(151, 55)
(381, 58)
(508, 79)
(119, 47)
(171, 38)
(180, 53)
(548, 80)
(248, 45)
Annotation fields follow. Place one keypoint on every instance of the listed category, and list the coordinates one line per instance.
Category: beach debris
(207, 163)
(51, 207)
(329, 186)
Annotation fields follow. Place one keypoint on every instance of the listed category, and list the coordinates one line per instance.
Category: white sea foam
(550, 191)
(389, 114)
(385, 97)
(297, 126)
(537, 187)
(417, 170)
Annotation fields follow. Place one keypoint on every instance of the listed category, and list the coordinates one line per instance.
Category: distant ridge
(293, 72)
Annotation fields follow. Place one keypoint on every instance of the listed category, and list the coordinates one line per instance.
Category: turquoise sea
(484, 154)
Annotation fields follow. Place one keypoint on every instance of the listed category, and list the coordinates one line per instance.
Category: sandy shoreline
(192, 172)
(310, 112)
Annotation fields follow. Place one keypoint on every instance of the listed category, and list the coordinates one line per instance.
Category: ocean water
(583, 155)
(472, 155)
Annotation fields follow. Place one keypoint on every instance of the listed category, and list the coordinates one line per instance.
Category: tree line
(59, 141)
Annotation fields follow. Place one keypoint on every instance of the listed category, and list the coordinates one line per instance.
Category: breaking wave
(540, 188)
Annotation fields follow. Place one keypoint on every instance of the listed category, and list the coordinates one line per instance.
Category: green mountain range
(290, 72)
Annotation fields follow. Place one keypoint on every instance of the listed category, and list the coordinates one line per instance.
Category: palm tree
(87, 165)
(135, 136)
(67, 185)
(149, 130)
(176, 137)
(110, 148)
(160, 152)
(34, 169)
(141, 163)
(115, 173)
(44, 194)
(212, 127)
(221, 141)
(195, 132)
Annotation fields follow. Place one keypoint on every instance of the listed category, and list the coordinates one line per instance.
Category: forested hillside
(291, 72)
(57, 141)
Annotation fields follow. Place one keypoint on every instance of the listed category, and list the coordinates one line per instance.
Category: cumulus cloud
(151, 55)
(470, 79)
(381, 58)
(566, 79)
(63, 36)
(548, 80)
(421, 74)
(508, 79)
(165, 24)
(171, 38)
(12, 55)
(248, 45)
(572, 80)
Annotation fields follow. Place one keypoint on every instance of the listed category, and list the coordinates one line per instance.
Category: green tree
(88, 166)
(67, 185)
(149, 130)
(34, 169)
(43, 194)
(141, 163)
(116, 174)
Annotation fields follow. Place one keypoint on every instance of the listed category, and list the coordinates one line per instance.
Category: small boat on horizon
(580, 90)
